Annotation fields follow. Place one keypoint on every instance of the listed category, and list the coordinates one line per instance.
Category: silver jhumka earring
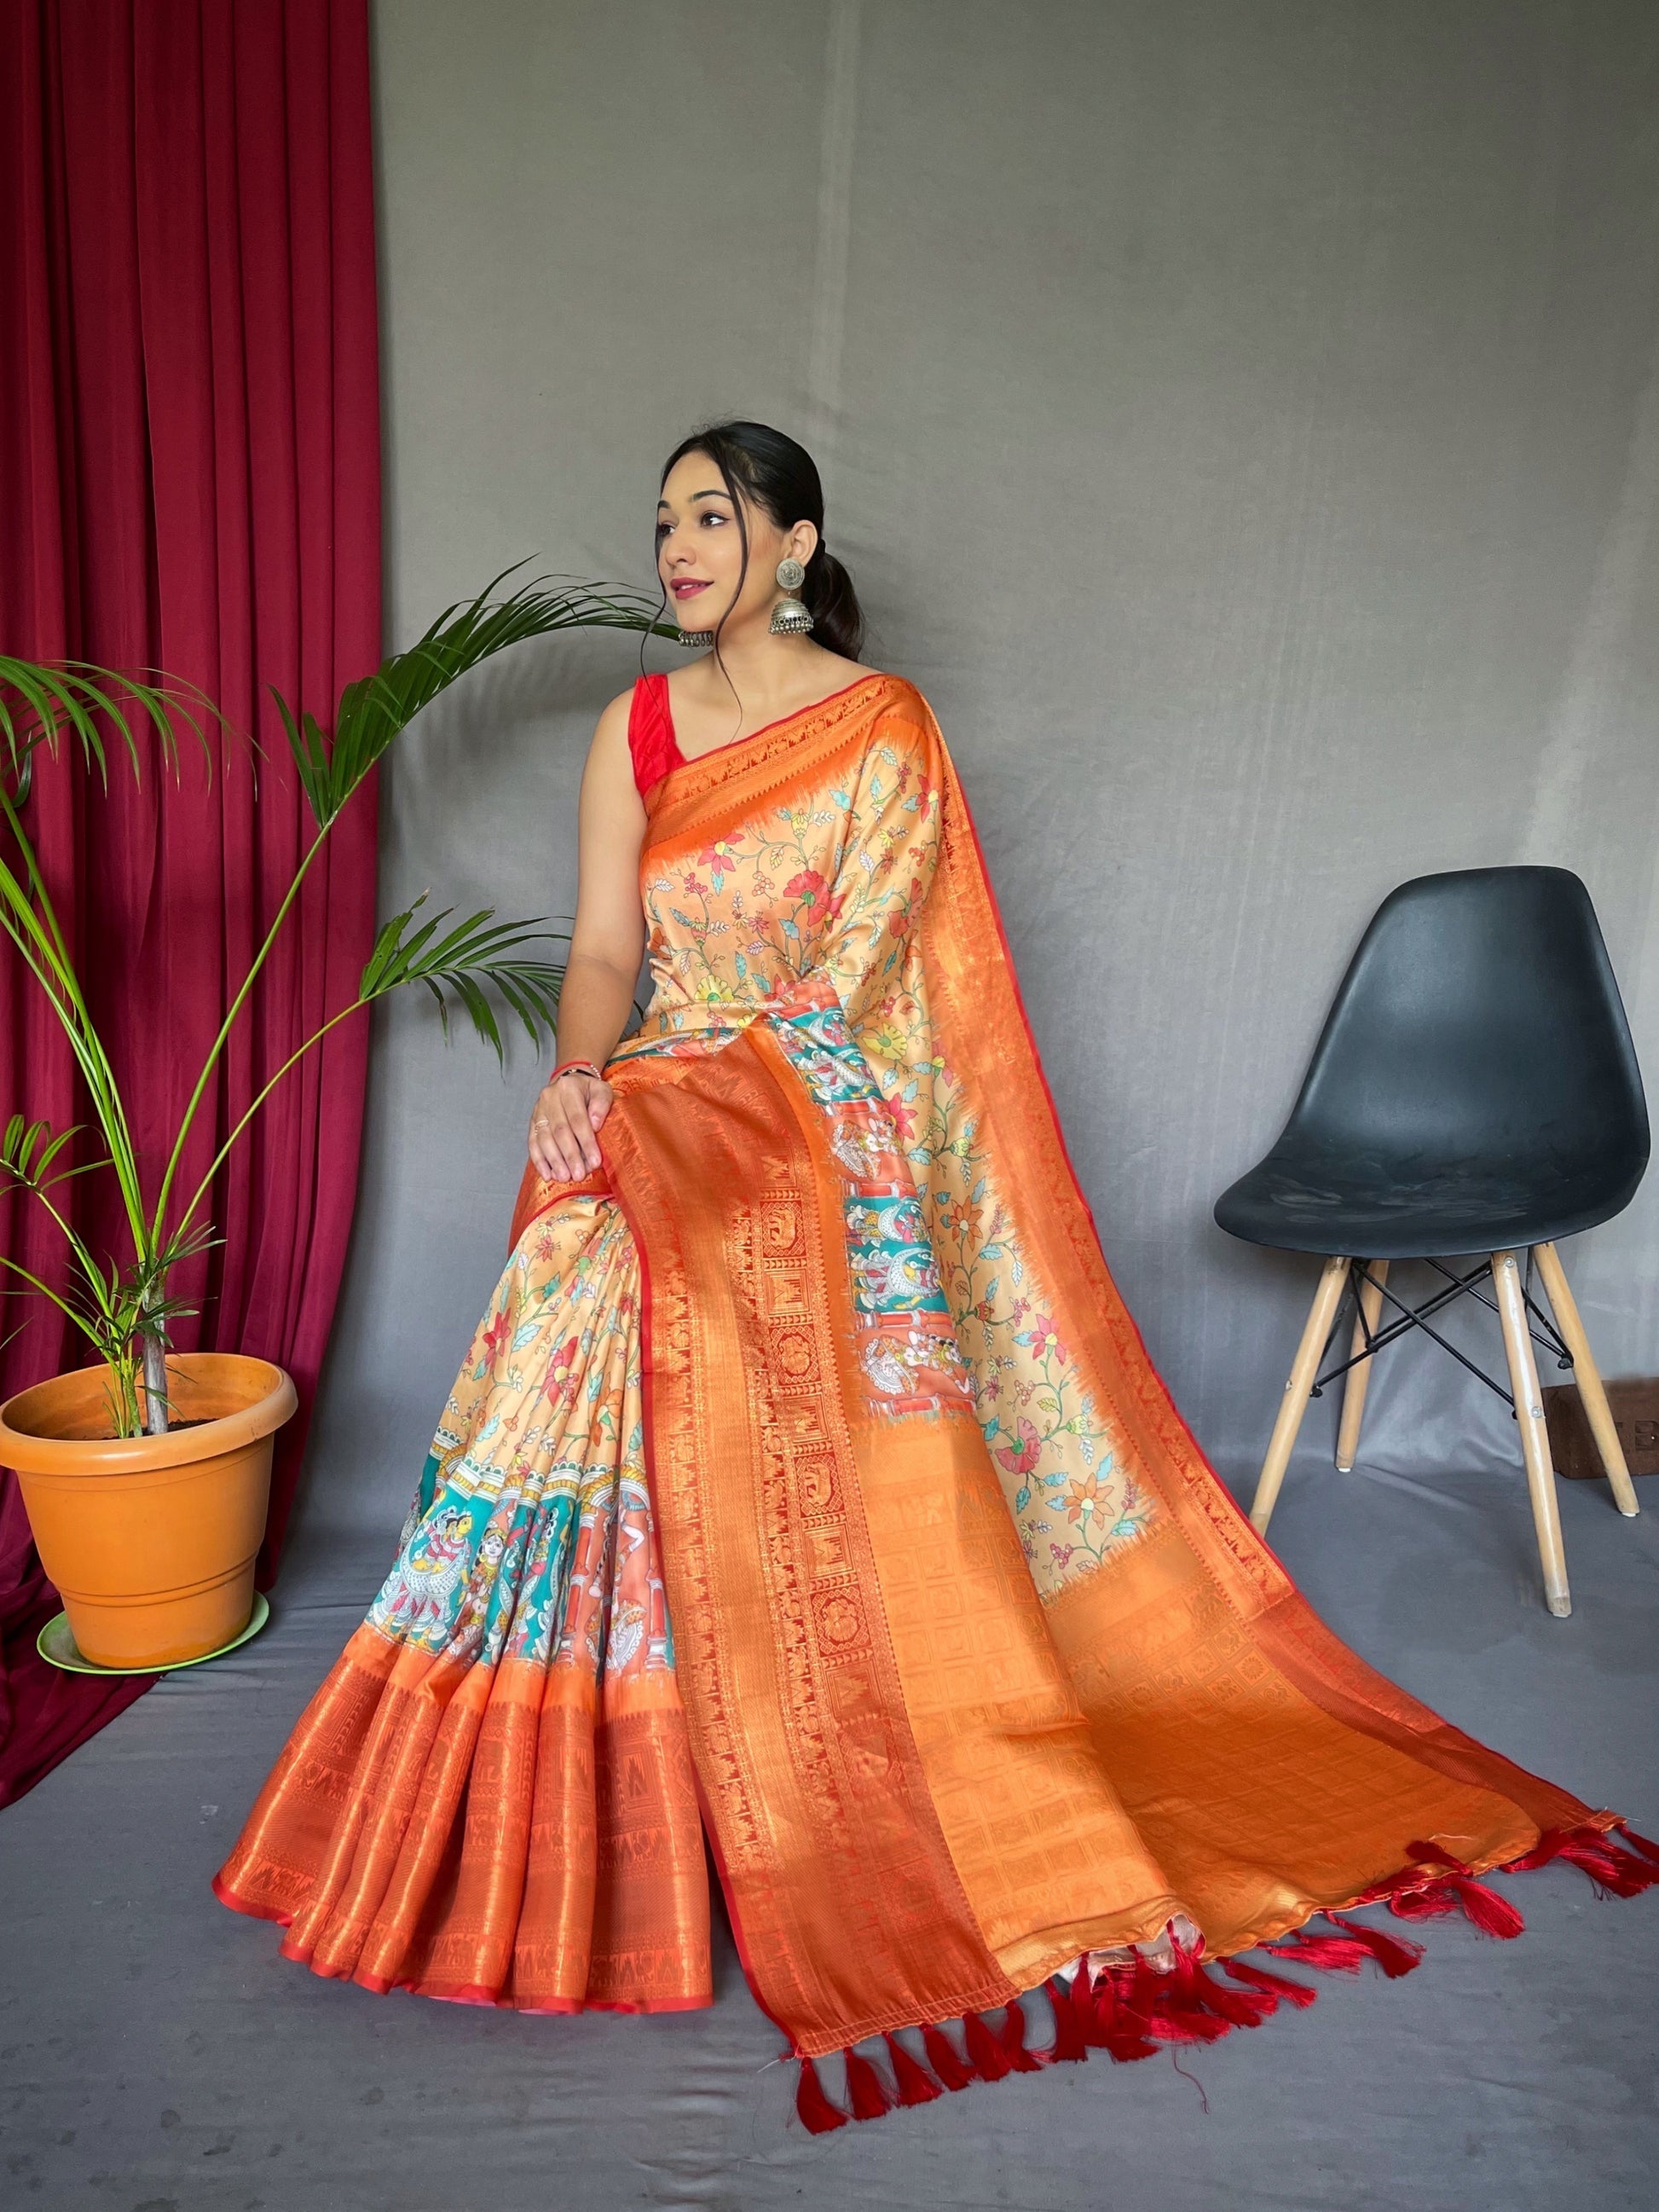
(789, 617)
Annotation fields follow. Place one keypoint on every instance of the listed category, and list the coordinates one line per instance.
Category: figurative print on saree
(808, 1484)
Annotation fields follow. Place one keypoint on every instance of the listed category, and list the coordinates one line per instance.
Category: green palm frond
(478, 964)
(41, 701)
(375, 710)
(467, 963)
(28, 1154)
(27, 1150)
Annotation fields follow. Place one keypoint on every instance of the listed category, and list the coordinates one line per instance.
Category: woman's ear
(803, 542)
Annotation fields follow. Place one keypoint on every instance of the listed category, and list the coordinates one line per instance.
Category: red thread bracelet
(579, 1067)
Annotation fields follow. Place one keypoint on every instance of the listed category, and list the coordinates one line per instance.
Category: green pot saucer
(56, 1646)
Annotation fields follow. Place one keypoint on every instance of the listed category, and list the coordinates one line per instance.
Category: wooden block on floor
(1634, 1404)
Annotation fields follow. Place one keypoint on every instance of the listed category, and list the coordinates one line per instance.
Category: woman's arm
(606, 946)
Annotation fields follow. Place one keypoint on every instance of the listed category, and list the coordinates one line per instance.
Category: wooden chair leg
(1588, 1376)
(1358, 1378)
(1321, 1315)
(1535, 1437)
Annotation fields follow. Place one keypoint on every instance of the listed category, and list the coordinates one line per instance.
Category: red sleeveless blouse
(651, 738)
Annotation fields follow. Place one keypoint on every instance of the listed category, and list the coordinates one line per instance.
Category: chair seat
(1297, 1200)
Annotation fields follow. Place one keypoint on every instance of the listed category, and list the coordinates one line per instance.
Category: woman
(807, 1484)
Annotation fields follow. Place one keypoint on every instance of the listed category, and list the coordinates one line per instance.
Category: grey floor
(157, 2056)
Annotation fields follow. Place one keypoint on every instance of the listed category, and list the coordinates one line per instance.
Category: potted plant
(146, 1475)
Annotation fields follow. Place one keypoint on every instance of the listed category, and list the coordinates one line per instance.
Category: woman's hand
(563, 1146)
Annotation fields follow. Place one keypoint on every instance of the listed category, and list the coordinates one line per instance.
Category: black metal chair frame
(1371, 1340)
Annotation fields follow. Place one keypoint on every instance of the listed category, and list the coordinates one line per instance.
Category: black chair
(1473, 1091)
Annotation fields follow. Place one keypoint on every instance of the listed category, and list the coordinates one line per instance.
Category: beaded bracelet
(577, 1068)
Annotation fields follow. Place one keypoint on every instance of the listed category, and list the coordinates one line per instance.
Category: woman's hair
(764, 465)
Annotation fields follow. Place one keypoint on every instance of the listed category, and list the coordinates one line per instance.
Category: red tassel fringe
(1131, 2011)
(1336, 1954)
(1278, 1987)
(1237, 2008)
(817, 2114)
(1180, 2011)
(1492, 1914)
(915, 2085)
(986, 2056)
(865, 2088)
(1013, 2044)
(1625, 1873)
(1110, 2024)
(1395, 1954)
(942, 2058)
(1431, 1896)
(1069, 2030)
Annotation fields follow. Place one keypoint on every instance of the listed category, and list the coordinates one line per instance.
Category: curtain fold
(190, 481)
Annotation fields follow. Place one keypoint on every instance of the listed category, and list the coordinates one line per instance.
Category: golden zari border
(485, 1834)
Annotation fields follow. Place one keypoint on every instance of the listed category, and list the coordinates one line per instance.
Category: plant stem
(155, 1382)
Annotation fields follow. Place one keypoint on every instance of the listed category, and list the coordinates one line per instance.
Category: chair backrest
(1480, 1021)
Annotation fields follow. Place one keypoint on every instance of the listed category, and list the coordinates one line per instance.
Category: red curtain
(189, 481)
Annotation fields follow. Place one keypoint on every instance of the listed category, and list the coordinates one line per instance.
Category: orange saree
(808, 1486)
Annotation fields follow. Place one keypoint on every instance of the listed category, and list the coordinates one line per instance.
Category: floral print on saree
(808, 1477)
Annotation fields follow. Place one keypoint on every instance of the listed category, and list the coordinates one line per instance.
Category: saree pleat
(491, 1799)
(975, 1670)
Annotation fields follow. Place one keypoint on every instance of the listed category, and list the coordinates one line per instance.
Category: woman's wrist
(575, 1066)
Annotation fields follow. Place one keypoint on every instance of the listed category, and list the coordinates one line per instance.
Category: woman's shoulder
(633, 738)
(898, 692)
(616, 714)
(638, 723)
(902, 715)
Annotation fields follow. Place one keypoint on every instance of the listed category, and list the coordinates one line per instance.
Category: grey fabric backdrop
(1242, 421)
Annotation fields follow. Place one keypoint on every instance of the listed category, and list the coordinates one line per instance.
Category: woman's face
(699, 550)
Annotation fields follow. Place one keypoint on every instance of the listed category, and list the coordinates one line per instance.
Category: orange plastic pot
(151, 1541)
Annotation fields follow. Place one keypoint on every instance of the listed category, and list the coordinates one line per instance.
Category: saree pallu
(808, 1485)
